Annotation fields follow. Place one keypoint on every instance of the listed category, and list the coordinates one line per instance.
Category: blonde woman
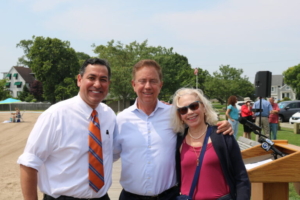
(223, 174)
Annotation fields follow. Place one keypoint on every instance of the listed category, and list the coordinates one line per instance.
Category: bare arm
(227, 114)
(28, 182)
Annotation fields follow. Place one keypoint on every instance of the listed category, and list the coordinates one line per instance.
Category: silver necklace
(196, 138)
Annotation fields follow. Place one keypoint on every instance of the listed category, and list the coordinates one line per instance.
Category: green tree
(82, 57)
(228, 82)
(36, 89)
(122, 58)
(66, 89)
(292, 78)
(26, 46)
(4, 93)
(24, 94)
(177, 73)
(53, 61)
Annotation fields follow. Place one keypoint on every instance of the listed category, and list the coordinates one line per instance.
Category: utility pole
(196, 73)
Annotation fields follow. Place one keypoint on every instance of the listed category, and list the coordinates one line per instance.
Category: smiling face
(147, 85)
(94, 84)
(193, 118)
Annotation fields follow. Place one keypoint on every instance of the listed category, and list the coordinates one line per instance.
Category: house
(279, 89)
(17, 78)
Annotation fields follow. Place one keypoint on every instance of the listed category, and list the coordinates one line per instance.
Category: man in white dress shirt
(56, 154)
(145, 141)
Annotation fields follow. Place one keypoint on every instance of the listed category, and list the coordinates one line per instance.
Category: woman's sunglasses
(193, 106)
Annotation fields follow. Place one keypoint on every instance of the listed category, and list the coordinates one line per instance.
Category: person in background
(246, 112)
(273, 118)
(266, 111)
(146, 142)
(59, 156)
(223, 174)
(233, 114)
(16, 116)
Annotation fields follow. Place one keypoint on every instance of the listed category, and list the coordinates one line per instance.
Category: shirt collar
(85, 108)
(159, 105)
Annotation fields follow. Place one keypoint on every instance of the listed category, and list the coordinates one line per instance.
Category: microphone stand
(267, 144)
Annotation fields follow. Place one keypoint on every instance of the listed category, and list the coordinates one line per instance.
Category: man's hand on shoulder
(225, 127)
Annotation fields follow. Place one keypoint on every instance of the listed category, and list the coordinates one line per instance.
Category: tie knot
(94, 113)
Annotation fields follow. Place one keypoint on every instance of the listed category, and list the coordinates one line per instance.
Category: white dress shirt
(57, 148)
(146, 145)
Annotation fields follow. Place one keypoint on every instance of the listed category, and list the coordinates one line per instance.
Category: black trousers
(169, 194)
(47, 197)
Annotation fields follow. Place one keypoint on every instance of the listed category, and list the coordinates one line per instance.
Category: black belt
(47, 197)
(175, 188)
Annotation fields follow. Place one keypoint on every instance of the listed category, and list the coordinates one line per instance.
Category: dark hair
(232, 100)
(148, 63)
(95, 61)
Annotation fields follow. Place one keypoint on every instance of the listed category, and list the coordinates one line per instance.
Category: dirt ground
(13, 137)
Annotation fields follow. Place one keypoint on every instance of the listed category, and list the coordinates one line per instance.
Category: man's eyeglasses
(193, 106)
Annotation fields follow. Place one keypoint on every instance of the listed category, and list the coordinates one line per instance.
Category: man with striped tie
(69, 151)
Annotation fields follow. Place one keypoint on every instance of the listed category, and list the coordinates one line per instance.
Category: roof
(277, 80)
(25, 72)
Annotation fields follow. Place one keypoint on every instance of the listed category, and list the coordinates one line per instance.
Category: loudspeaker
(263, 81)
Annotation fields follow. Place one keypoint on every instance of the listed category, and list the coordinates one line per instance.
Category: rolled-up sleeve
(40, 142)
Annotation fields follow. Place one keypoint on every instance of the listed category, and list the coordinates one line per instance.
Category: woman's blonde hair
(211, 116)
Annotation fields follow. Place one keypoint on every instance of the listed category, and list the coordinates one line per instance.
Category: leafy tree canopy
(123, 57)
(4, 93)
(292, 78)
(53, 61)
(36, 89)
(228, 82)
(82, 57)
(23, 96)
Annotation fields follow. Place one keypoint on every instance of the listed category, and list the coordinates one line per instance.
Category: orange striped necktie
(96, 170)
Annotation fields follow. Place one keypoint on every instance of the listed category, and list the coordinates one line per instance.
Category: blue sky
(255, 35)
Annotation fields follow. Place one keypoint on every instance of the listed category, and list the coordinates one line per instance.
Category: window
(7, 84)
(8, 75)
(272, 89)
(288, 95)
(15, 75)
(292, 105)
(287, 87)
(18, 84)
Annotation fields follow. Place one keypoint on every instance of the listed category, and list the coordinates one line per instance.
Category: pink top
(273, 118)
(211, 184)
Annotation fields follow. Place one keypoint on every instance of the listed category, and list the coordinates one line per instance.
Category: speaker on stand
(263, 80)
